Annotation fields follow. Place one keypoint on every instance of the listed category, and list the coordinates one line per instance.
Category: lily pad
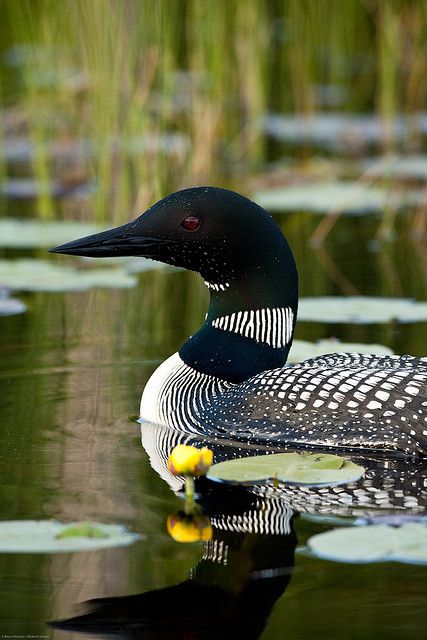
(50, 536)
(324, 197)
(82, 530)
(43, 275)
(28, 188)
(31, 234)
(405, 167)
(316, 469)
(21, 149)
(339, 131)
(18, 233)
(361, 309)
(373, 543)
(10, 306)
(302, 349)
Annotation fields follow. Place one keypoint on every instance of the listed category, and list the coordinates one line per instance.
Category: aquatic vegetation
(346, 133)
(188, 460)
(347, 197)
(409, 167)
(361, 309)
(29, 274)
(50, 536)
(373, 543)
(83, 529)
(10, 306)
(141, 100)
(190, 524)
(18, 233)
(315, 469)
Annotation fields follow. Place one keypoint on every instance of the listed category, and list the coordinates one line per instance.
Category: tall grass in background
(128, 78)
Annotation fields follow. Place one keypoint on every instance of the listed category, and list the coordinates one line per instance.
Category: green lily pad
(44, 275)
(337, 131)
(373, 543)
(50, 536)
(361, 309)
(302, 349)
(324, 197)
(316, 469)
(31, 234)
(10, 306)
(407, 167)
(83, 529)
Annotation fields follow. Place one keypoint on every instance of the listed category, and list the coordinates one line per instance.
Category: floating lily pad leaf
(176, 144)
(394, 519)
(44, 275)
(31, 234)
(82, 529)
(319, 469)
(19, 149)
(373, 543)
(50, 536)
(361, 309)
(140, 265)
(10, 306)
(412, 167)
(303, 350)
(325, 197)
(27, 188)
(338, 131)
(130, 264)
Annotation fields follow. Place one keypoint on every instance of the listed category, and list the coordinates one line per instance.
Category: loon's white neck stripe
(271, 326)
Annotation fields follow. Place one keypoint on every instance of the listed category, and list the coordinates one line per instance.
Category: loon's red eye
(190, 223)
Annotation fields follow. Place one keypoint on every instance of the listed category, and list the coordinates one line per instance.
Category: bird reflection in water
(247, 564)
(245, 567)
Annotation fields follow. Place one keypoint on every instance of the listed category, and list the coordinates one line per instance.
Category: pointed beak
(120, 241)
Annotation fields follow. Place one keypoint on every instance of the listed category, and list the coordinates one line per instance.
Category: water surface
(72, 369)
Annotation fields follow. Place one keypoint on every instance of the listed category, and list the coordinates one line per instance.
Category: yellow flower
(189, 528)
(187, 460)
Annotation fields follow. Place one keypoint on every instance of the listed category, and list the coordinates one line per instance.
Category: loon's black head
(245, 261)
(215, 232)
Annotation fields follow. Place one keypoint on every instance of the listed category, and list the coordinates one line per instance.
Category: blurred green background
(122, 102)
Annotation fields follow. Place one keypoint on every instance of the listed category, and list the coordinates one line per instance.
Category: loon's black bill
(117, 242)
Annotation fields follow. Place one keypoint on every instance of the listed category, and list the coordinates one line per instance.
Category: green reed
(125, 74)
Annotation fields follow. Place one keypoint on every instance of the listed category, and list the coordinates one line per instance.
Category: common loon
(230, 377)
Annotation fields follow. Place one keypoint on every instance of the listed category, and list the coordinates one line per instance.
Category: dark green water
(72, 369)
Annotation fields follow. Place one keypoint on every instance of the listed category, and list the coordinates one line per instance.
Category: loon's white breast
(177, 395)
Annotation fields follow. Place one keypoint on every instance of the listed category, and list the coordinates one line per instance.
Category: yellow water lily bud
(189, 528)
(186, 460)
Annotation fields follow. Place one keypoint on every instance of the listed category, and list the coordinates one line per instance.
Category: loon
(231, 378)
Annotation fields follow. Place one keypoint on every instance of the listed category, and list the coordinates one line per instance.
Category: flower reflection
(184, 527)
